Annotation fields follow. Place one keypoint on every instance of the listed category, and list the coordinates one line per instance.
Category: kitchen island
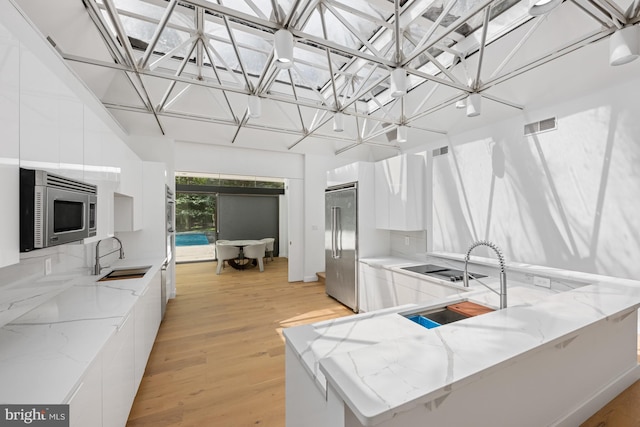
(550, 358)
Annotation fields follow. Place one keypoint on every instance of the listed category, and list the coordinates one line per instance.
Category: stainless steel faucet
(503, 274)
(96, 267)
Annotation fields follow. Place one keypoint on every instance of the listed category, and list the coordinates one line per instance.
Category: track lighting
(338, 122)
(255, 106)
(283, 46)
(541, 7)
(473, 105)
(461, 103)
(401, 133)
(623, 45)
(398, 83)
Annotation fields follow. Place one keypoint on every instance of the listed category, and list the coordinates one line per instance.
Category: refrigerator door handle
(335, 221)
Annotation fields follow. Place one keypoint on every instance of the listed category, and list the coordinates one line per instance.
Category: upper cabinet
(399, 198)
(51, 121)
(9, 147)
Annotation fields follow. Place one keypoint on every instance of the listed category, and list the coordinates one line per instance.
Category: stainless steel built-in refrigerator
(341, 244)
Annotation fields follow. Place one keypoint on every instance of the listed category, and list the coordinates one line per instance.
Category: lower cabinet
(375, 288)
(85, 404)
(148, 318)
(379, 288)
(118, 374)
(108, 387)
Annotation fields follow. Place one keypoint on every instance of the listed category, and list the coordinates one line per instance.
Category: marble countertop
(370, 358)
(452, 355)
(45, 351)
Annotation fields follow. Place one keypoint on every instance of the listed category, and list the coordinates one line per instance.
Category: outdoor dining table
(241, 263)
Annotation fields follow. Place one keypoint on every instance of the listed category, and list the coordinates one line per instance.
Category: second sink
(126, 273)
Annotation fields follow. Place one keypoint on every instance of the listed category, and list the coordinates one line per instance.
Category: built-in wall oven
(55, 210)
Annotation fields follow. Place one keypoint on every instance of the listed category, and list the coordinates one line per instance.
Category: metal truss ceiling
(343, 56)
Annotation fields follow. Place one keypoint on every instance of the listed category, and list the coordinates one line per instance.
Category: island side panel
(306, 405)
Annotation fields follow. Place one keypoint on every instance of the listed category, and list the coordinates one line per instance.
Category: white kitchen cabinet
(71, 136)
(128, 201)
(51, 120)
(148, 318)
(118, 375)
(376, 289)
(399, 198)
(380, 288)
(85, 403)
(10, 146)
(99, 171)
(38, 114)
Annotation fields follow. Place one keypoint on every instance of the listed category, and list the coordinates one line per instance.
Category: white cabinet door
(97, 171)
(118, 375)
(85, 403)
(128, 205)
(147, 323)
(376, 288)
(9, 147)
(39, 95)
(400, 193)
(71, 136)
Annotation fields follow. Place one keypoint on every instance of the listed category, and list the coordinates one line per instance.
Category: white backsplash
(409, 244)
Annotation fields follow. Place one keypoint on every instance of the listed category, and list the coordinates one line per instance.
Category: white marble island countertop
(395, 375)
(45, 351)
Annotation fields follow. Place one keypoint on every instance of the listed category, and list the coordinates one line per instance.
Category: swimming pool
(191, 239)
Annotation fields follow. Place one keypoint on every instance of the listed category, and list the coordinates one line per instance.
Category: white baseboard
(313, 278)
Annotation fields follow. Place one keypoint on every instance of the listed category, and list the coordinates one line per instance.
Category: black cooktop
(439, 272)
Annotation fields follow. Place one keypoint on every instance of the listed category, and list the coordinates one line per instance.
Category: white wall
(566, 198)
(304, 213)
(314, 186)
(191, 157)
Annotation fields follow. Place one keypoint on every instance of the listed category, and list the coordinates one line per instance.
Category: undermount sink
(126, 273)
(434, 317)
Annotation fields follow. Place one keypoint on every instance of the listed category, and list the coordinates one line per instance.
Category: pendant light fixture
(401, 133)
(398, 83)
(255, 106)
(473, 105)
(623, 45)
(541, 7)
(283, 48)
(338, 122)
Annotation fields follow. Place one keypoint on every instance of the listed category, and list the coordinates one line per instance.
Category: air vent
(440, 151)
(541, 126)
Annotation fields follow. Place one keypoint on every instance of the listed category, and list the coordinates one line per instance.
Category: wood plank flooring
(218, 359)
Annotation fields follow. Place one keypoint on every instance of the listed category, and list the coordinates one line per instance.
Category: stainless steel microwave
(55, 210)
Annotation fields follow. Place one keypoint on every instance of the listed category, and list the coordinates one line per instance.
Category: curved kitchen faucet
(503, 274)
(96, 267)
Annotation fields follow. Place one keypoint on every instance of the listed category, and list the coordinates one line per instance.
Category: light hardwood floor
(218, 359)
